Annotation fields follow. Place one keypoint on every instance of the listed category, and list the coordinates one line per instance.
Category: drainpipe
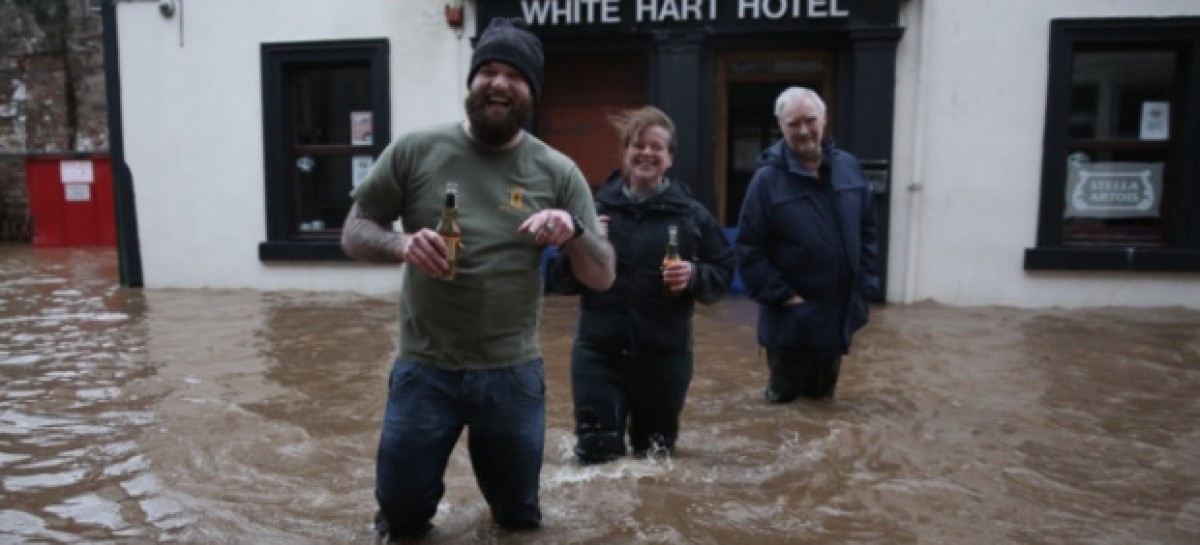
(912, 242)
(129, 254)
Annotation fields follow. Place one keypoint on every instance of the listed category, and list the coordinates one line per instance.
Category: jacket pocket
(404, 372)
(527, 379)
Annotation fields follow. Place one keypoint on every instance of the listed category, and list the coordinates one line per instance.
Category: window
(325, 120)
(1119, 188)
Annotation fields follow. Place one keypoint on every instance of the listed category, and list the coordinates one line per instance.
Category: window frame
(276, 58)
(1182, 251)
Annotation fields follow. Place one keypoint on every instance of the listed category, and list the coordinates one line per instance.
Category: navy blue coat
(635, 315)
(816, 239)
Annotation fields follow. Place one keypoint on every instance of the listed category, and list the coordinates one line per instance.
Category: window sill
(309, 250)
(1112, 259)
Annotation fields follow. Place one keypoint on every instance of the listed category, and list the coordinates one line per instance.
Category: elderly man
(808, 251)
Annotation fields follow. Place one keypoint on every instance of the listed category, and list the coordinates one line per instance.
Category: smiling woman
(631, 363)
(648, 148)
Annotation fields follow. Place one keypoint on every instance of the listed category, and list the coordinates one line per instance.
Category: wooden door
(581, 91)
(747, 85)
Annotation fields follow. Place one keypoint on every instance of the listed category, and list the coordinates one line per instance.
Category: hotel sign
(1114, 190)
(631, 16)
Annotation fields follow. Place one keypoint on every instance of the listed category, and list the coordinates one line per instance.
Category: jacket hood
(611, 193)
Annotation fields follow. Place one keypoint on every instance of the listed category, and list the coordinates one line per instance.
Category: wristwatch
(577, 224)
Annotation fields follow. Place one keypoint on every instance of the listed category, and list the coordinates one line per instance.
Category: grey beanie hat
(507, 40)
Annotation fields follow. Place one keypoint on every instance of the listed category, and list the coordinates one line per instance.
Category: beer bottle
(449, 230)
(671, 256)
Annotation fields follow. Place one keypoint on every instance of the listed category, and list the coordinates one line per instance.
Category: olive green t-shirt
(488, 315)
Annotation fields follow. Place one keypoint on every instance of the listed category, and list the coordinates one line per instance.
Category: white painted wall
(970, 111)
(191, 95)
(970, 105)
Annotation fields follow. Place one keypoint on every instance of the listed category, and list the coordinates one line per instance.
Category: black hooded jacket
(809, 234)
(636, 315)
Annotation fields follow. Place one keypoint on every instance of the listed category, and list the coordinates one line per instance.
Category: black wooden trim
(1189, 113)
(1049, 230)
(1112, 259)
(869, 100)
(320, 250)
(274, 58)
(1184, 254)
(862, 13)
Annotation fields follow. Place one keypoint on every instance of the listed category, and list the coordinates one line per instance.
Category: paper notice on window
(1156, 117)
(360, 165)
(360, 128)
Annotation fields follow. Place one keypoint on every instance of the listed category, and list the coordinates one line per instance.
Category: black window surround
(1180, 251)
(283, 242)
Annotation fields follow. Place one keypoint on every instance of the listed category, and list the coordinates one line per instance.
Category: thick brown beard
(496, 133)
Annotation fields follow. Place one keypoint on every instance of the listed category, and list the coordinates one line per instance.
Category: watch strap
(577, 224)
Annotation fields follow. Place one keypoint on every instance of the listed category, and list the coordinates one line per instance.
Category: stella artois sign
(1114, 190)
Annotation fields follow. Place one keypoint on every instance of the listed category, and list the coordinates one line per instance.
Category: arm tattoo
(593, 261)
(596, 248)
(371, 239)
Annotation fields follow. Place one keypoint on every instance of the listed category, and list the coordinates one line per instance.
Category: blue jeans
(504, 410)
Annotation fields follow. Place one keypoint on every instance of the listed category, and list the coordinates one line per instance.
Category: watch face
(578, 224)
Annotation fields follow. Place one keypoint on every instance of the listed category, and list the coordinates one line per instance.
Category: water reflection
(72, 343)
(147, 416)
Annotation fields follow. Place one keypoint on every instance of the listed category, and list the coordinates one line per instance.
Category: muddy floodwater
(202, 416)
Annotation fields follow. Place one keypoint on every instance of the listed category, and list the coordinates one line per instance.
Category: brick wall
(52, 96)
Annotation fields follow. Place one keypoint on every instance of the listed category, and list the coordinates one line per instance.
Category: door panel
(581, 92)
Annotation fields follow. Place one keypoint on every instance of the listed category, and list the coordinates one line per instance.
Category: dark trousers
(812, 375)
(647, 391)
(504, 410)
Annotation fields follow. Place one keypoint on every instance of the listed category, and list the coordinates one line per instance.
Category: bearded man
(468, 347)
